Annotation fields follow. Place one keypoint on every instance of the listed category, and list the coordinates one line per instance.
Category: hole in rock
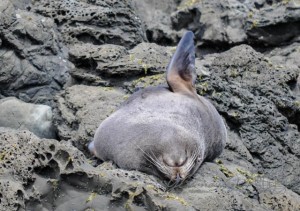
(51, 171)
(42, 157)
(48, 155)
(70, 166)
(28, 184)
(52, 147)
(62, 156)
(79, 180)
(292, 84)
(87, 38)
(20, 194)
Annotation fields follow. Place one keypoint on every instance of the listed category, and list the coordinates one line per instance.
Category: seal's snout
(171, 162)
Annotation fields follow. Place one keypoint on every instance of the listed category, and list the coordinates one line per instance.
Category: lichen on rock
(83, 58)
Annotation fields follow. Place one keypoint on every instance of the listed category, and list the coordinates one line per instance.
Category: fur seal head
(165, 131)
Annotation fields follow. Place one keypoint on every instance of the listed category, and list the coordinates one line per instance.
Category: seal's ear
(181, 74)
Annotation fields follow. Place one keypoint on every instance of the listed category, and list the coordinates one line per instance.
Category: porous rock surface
(50, 175)
(80, 109)
(254, 96)
(289, 56)
(96, 22)
(102, 63)
(85, 57)
(156, 21)
(39, 174)
(232, 22)
(219, 24)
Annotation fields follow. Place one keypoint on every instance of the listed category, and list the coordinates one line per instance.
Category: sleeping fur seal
(165, 131)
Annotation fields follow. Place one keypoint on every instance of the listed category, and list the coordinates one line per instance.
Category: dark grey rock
(34, 63)
(155, 16)
(289, 56)
(275, 196)
(99, 63)
(232, 22)
(25, 116)
(286, 56)
(258, 96)
(274, 24)
(218, 22)
(218, 192)
(88, 59)
(95, 22)
(145, 58)
(254, 96)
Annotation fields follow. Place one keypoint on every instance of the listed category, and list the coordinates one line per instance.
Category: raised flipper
(181, 74)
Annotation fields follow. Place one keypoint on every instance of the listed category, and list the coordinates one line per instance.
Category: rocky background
(67, 65)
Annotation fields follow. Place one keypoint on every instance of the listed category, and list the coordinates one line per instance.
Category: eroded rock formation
(83, 58)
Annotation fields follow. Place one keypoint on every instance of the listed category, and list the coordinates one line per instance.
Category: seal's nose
(178, 178)
(175, 162)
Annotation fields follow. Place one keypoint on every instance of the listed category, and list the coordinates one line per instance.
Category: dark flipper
(181, 74)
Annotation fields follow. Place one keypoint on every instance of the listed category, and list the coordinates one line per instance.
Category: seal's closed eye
(181, 74)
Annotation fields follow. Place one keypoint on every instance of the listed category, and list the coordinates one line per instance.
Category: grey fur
(161, 132)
